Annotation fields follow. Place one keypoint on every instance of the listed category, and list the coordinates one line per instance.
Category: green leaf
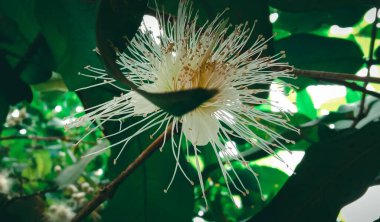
(305, 104)
(43, 161)
(42, 165)
(69, 29)
(26, 50)
(317, 5)
(23, 209)
(238, 12)
(8, 29)
(377, 53)
(367, 32)
(221, 207)
(4, 107)
(72, 173)
(311, 52)
(38, 64)
(334, 172)
(315, 20)
(141, 197)
(23, 24)
(12, 87)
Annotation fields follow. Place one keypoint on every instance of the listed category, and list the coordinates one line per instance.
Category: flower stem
(110, 189)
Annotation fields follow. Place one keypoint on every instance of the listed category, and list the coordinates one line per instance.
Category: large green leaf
(317, 5)
(141, 197)
(315, 20)
(12, 89)
(37, 63)
(27, 209)
(377, 54)
(223, 209)
(305, 104)
(312, 52)
(334, 172)
(69, 29)
(239, 11)
(367, 32)
(4, 106)
(25, 49)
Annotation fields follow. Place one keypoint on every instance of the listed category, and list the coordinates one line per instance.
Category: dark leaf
(334, 172)
(4, 107)
(19, 21)
(28, 209)
(8, 29)
(318, 5)
(314, 20)
(37, 63)
(312, 52)
(141, 197)
(12, 87)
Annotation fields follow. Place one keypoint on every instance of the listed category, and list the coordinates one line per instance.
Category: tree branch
(110, 189)
(333, 76)
(354, 86)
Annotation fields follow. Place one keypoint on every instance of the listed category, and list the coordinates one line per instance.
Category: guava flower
(185, 56)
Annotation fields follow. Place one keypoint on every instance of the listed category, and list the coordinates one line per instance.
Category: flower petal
(200, 127)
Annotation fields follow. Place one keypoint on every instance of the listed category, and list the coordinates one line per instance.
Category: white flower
(213, 56)
(5, 182)
(59, 213)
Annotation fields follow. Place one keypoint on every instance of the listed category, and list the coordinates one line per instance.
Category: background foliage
(43, 46)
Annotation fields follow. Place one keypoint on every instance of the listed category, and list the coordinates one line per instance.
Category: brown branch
(333, 76)
(109, 190)
(52, 138)
(339, 78)
(354, 86)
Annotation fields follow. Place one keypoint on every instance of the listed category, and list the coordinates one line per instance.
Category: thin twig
(354, 86)
(333, 76)
(109, 190)
(339, 78)
(39, 138)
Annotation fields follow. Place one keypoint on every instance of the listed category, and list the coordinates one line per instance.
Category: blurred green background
(43, 46)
